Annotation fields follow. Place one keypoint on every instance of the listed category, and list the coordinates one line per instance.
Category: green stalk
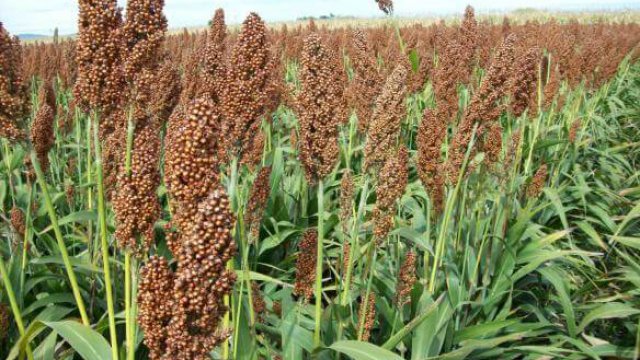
(451, 199)
(25, 241)
(59, 238)
(354, 236)
(226, 321)
(102, 217)
(7, 161)
(319, 263)
(127, 305)
(14, 304)
(365, 299)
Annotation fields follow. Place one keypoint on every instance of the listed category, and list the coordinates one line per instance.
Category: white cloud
(41, 17)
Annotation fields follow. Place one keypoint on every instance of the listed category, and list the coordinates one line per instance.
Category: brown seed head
(155, 305)
(166, 92)
(387, 118)
(574, 129)
(346, 197)
(135, 203)
(258, 201)
(98, 55)
(202, 281)
(367, 80)
(537, 182)
(393, 179)
(484, 108)
(523, 83)
(306, 265)
(13, 92)
(320, 109)
(192, 156)
(213, 57)
(248, 86)
(17, 220)
(406, 279)
(42, 135)
(368, 312)
(143, 35)
(431, 134)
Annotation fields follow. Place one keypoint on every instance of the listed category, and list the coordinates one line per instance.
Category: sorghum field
(458, 190)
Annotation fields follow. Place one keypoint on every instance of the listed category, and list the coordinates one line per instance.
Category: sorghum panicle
(406, 279)
(367, 79)
(432, 132)
(368, 312)
(166, 92)
(258, 201)
(46, 94)
(346, 250)
(13, 92)
(213, 57)
(574, 129)
(484, 107)
(143, 35)
(523, 84)
(135, 203)
(306, 265)
(17, 220)
(346, 198)
(320, 109)
(192, 157)
(98, 55)
(155, 304)
(387, 117)
(259, 305)
(393, 179)
(42, 134)
(468, 42)
(252, 156)
(248, 86)
(537, 182)
(202, 281)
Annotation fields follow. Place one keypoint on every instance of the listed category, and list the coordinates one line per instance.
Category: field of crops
(458, 190)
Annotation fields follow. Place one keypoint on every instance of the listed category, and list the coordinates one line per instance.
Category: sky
(43, 16)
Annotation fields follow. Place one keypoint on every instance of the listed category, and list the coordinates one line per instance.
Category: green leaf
(482, 330)
(552, 194)
(634, 213)
(359, 350)
(397, 337)
(607, 311)
(593, 234)
(72, 218)
(470, 346)
(260, 277)
(629, 241)
(556, 278)
(84, 340)
(46, 349)
(415, 60)
(276, 239)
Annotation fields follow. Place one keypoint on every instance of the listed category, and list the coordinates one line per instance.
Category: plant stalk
(104, 244)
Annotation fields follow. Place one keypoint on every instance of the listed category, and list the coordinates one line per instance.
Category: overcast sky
(42, 16)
